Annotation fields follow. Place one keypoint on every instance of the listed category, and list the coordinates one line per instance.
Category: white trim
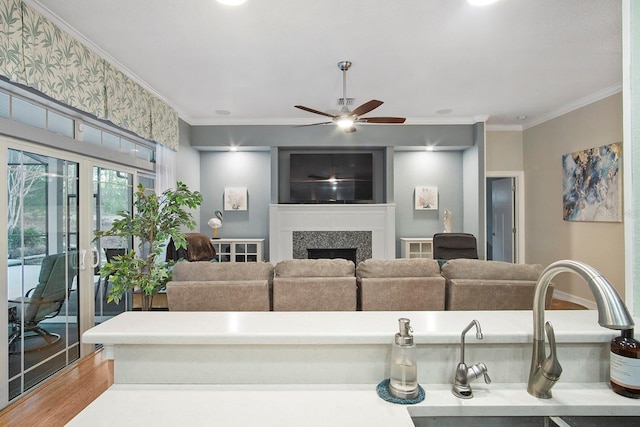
(627, 160)
(582, 102)
(520, 209)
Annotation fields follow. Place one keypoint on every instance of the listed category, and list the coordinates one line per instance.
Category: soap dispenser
(625, 365)
(403, 383)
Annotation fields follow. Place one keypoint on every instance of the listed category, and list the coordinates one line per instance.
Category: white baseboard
(591, 305)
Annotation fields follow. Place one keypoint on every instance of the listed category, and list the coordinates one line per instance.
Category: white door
(502, 203)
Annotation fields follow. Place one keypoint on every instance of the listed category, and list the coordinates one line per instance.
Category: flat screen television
(331, 177)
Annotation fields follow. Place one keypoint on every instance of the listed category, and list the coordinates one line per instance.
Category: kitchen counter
(322, 368)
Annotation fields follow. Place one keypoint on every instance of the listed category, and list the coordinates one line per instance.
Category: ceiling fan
(346, 119)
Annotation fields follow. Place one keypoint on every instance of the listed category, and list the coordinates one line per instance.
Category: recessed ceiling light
(223, 112)
(521, 117)
(233, 148)
(231, 2)
(480, 2)
(430, 148)
(444, 111)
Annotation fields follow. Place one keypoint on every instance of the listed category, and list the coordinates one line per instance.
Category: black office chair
(44, 301)
(454, 245)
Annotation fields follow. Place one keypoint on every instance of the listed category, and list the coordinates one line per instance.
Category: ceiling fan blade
(366, 107)
(311, 110)
(389, 120)
(312, 124)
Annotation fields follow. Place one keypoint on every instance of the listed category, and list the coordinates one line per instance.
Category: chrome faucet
(464, 375)
(612, 313)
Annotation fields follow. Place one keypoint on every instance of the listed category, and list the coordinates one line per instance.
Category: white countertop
(336, 406)
(274, 328)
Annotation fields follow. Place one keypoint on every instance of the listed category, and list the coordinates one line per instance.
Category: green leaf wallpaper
(11, 59)
(39, 54)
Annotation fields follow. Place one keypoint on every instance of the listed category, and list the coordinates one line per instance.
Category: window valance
(37, 53)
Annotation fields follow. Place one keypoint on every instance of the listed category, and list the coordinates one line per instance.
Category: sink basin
(497, 421)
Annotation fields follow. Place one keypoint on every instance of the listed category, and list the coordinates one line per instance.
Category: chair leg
(49, 337)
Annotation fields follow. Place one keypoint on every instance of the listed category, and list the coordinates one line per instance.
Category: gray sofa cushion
(314, 285)
(491, 285)
(202, 295)
(220, 286)
(315, 268)
(222, 271)
(400, 285)
(314, 294)
(490, 270)
(416, 267)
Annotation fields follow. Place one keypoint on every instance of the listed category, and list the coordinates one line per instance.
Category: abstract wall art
(592, 184)
(426, 198)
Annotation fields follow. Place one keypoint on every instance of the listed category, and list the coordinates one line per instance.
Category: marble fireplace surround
(359, 240)
(340, 220)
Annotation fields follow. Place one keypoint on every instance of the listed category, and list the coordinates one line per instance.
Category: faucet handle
(474, 372)
(550, 366)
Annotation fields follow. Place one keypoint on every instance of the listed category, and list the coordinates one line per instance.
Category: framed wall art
(592, 184)
(426, 198)
(235, 199)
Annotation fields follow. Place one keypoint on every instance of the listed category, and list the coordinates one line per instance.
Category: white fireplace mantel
(378, 218)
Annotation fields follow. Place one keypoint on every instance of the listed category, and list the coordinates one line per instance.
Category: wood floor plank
(63, 397)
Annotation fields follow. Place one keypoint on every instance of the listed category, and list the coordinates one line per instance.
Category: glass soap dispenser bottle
(625, 365)
(403, 383)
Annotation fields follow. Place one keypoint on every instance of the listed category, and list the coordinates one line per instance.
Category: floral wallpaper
(37, 53)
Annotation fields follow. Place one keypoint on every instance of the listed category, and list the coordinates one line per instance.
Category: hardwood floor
(63, 397)
(558, 304)
(69, 392)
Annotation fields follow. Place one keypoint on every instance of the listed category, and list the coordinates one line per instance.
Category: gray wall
(407, 168)
(421, 168)
(253, 170)
(237, 169)
(188, 166)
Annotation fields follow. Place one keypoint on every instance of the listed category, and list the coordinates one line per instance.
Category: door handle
(96, 257)
(83, 253)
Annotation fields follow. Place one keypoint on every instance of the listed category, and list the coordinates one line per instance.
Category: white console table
(416, 247)
(239, 250)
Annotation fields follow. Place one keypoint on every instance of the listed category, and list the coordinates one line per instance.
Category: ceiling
(431, 61)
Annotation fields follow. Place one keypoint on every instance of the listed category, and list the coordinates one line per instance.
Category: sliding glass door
(55, 201)
(112, 193)
(42, 267)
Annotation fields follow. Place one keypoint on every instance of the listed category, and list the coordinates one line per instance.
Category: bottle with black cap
(625, 365)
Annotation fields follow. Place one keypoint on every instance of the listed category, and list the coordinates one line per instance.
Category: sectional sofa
(340, 285)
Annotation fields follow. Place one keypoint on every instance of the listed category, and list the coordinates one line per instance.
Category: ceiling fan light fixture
(231, 2)
(481, 2)
(345, 122)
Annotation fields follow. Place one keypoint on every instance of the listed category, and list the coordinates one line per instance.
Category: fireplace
(306, 241)
(370, 228)
(349, 254)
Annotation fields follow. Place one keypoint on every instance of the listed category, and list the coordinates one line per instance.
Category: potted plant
(154, 220)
